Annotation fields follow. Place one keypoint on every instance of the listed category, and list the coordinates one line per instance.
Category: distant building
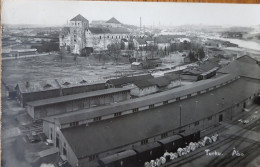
(79, 35)
(137, 65)
(214, 51)
(113, 22)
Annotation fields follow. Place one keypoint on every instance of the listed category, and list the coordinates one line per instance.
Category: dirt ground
(51, 66)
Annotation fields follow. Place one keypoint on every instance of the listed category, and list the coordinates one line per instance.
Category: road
(16, 150)
(26, 56)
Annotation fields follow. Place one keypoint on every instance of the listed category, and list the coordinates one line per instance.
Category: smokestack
(140, 24)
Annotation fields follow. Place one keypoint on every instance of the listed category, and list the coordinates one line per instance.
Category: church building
(79, 35)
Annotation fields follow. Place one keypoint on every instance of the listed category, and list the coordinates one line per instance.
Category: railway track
(230, 139)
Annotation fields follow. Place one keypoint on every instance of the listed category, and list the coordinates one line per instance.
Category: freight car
(144, 153)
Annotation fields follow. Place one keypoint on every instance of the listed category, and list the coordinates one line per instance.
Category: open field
(51, 66)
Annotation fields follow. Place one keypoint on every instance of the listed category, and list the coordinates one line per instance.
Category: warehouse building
(123, 81)
(153, 85)
(69, 103)
(108, 130)
(44, 89)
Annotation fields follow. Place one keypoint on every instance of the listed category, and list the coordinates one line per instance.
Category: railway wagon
(144, 153)
(193, 137)
(126, 158)
(172, 143)
(148, 152)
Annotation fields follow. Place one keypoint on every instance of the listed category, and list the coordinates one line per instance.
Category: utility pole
(180, 114)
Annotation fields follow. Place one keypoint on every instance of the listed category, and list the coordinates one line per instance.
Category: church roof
(108, 30)
(79, 17)
(113, 20)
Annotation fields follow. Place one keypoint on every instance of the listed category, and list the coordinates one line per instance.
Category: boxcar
(148, 152)
(126, 158)
(172, 143)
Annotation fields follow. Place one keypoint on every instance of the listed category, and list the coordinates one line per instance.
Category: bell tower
(77, 33)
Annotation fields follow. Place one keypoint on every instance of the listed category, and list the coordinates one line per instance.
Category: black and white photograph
(130, 84)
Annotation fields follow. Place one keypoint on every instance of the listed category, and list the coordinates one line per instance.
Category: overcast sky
(58, 12)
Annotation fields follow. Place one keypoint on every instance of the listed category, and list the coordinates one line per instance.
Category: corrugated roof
(110, 134)
(113, 20)
(79, 17)
(76, 96)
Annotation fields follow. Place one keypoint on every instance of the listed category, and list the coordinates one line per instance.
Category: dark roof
(143, 83)
(215, 49)
(208, 65)
(141, 101)
(76, 96)
(107, 135)
(247, 59)
(108, 30)
(118, 156)
(160, 81)
(99, 30)
(172, 76)
(141, 41)
(244, 67)
(113, 20)
(79, 17)
(147, 147)
(118, 30)
(128, 80)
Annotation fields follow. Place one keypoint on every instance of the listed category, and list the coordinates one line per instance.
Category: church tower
(77, 33)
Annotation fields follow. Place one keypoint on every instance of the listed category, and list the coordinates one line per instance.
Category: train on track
(138, 156)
